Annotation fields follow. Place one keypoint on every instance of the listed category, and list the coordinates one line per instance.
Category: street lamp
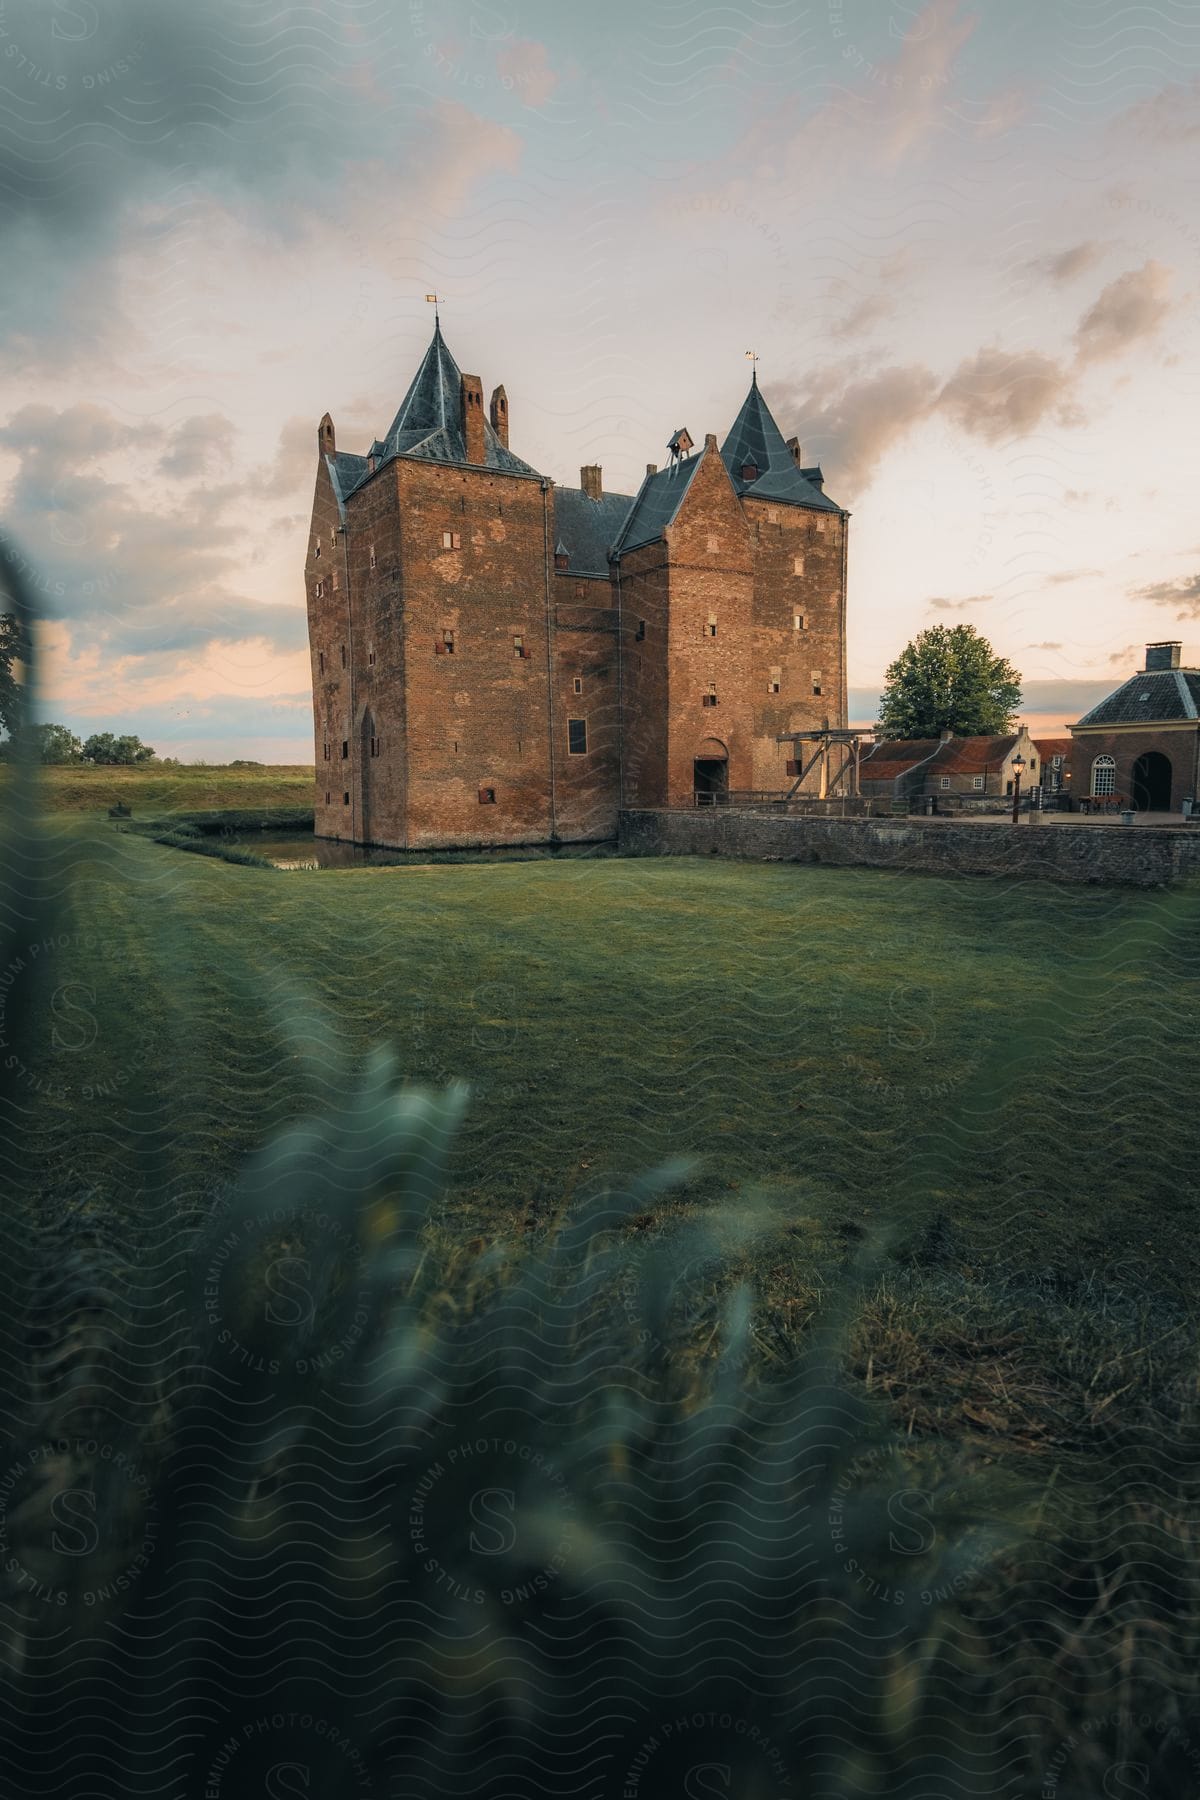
(1018, 765)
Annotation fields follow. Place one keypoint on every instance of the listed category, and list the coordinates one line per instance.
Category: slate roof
(1156, 698)
(589, 528)
(429, 425)
(895, 756)
(756, 438)
(655, 504)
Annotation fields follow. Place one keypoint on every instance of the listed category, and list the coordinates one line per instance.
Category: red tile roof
(1048, 747)
(973, 755)
(895, 756)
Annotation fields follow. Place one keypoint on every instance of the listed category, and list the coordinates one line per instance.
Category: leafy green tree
(949, 679)
(9, 643)
(56, 744)
(103, 747)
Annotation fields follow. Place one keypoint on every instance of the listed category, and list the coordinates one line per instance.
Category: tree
(56, 744)
(103, 747)
(949, 679)
(9, 644)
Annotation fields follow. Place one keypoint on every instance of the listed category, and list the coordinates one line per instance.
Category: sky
(964, 244)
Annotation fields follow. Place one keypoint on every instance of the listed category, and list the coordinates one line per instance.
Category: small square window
(749, 471)
(945, 782)
(445, 647)
(773, 681)
(816, 682)
(577, 737)
(977, 783)
(709, 699)
(820, 524)
(345, 748)
(711, 627)
(487, 796)
(772, 515)
(451, 540)
(578, 684)
(799, 622)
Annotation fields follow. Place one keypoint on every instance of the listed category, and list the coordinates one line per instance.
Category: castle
(498, 660)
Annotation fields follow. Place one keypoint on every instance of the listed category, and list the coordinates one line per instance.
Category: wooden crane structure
(836, 753)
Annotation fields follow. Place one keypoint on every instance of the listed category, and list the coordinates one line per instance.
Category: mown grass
(157, 792)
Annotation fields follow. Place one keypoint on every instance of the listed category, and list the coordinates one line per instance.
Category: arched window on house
(1104, 775)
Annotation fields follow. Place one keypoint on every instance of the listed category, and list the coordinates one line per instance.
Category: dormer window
(749, 471)
(562, 556)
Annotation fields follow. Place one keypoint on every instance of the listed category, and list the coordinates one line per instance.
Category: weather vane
(434, 300)
(752, 359)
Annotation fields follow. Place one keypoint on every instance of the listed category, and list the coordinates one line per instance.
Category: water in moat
(298, 851)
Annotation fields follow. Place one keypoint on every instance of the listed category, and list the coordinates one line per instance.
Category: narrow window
(345, 748)
(371, 658)
(372, 556)
(640, 633)
(816, 681)
(327, 753)
(797, 565)
(577, 737)
(977, 783)
(328, 798)
(1033, 765)
(446, 645)
(579, 684)
(376, 744)
(773, 681)
(518, 646)
(343, 656)
(317, 548)
(709, 699)
(346, 799)
(319, 591)
(335, 581)
(772, 515)
(799, 622)
(487, 796)
(945, 782)
(320, 662)
(451, 540)
(711, 627)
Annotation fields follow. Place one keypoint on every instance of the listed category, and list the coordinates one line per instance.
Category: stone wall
(1134, 856)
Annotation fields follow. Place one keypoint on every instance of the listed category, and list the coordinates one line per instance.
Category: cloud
(1046, 646)
(1183, 593)
(197, 446)
(998, 394)
(524, 67)
(957, 605)
(1065, 575)
(855, 420)
(868, 312)
(1171, 116)
(1065, 265)
(1130, 308)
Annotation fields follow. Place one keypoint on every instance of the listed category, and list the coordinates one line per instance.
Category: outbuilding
(1142, 743)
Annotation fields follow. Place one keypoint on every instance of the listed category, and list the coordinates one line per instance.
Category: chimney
(793, 445)
(1162, 656)
(589, 481)
(500, 415)
(326, 442)
(471, 408)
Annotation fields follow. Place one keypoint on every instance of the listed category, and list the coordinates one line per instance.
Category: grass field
(152, 791)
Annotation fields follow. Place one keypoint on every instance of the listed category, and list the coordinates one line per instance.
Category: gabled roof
(429, 422)
(974, 755)
(655, 504)
(1056, 746)
(756, 438)
(1157, 697)
(895, 756)
(589, 528)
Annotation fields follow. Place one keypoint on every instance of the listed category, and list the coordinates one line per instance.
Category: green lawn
(153, 791)
(1006, 1073)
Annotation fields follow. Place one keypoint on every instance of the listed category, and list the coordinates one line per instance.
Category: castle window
(714, 543)
(487, 796)
(327, 753)
(328, 798)
(773, 681)
(451, 540)
(319, 591)
(1033, 765)
(335, 581)
(709, 699)
(945, 782)
(820, 524)
(579, 684)
(345, 748)
(1104, 775)
(577, 737)
(710, 630)
(343, 656)
(346, 799)
(518, 645)
(797, 565)
(317, 548)
(320, 662)
(446, 646)
(798, 622)
(749, 471)
(372, 556)
(772, 515)
(640, 633)
(816, 681)
(371, 658)
(977, 783)
(375, 745)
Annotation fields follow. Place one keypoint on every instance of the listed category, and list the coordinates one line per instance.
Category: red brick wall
(586, 650)
(644, 586)
(328, 632)
(1180, 747)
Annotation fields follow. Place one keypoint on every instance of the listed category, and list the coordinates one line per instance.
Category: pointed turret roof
(429, 422)
(756, 439)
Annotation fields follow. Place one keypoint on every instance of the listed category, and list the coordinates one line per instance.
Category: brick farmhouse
(946, 767)
(1142, 743)
(497, 659)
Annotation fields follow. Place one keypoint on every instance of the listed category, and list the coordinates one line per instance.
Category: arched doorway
(1151, 782)
(710, 772)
